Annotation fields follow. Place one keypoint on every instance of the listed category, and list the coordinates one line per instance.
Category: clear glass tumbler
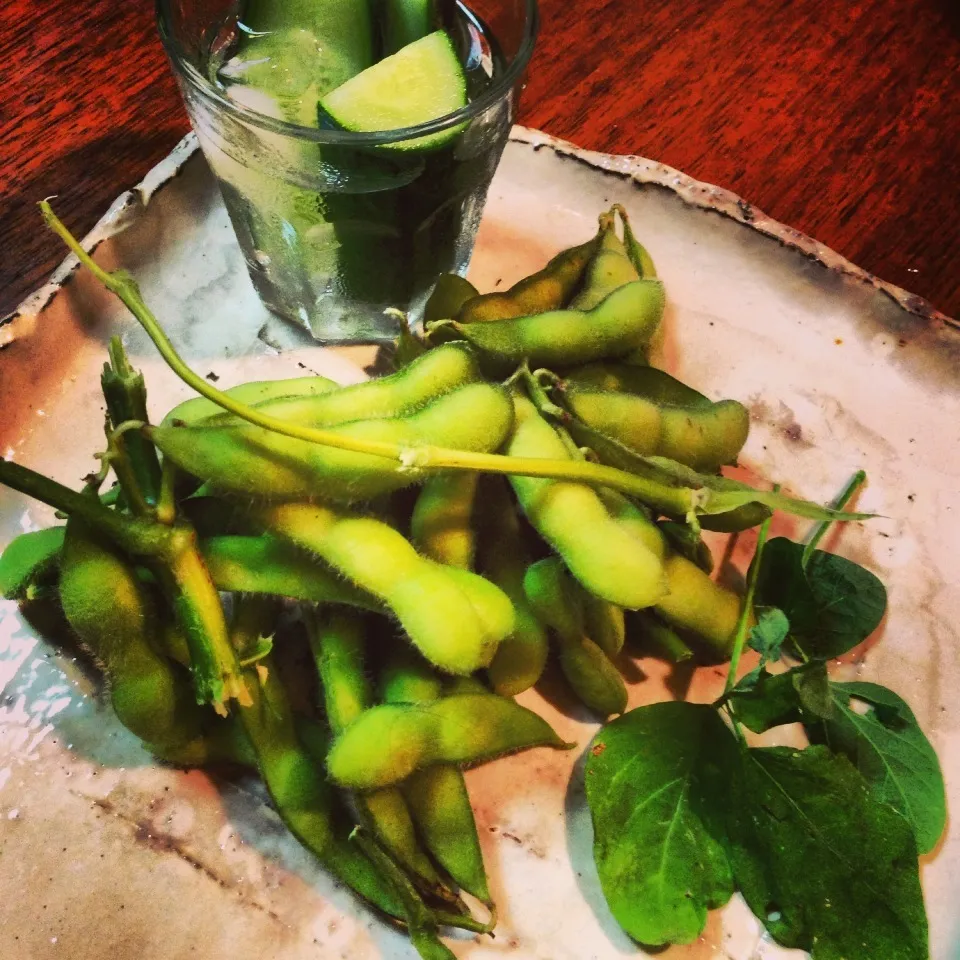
(336, 226)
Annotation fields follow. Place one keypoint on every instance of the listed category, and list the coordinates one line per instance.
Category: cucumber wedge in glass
(423, 81)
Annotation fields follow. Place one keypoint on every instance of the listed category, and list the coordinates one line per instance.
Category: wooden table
(841, 119)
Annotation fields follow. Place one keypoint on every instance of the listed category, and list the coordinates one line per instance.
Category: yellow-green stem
(424, 457)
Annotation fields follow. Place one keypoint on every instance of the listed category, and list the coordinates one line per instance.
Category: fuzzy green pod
(635, 521)
(607, 559)
(441, 525)
(520, 659)
(604, 623)
(701, 436)
(111, 612)
(448, 296)
(245, 459)
(338, 641)
(304, 799)
(265, 564)
(429, 600)
(254, 393)
(405, 677)
(648, 630)
(558, 601)
(609, 268)
(437, 796)
(440, 805)
(648, 382)
(695, 602)
(391, 741)
(425, 379)
(27, 558)
(623, 321)
(548, 289)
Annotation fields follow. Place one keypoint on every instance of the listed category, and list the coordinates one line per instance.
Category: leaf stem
(688, 499)
(740, 636)
(128, 533)
(849, 491)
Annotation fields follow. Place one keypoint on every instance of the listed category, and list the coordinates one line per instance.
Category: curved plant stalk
(693, 499)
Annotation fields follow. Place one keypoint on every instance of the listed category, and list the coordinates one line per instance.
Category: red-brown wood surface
(841, 119)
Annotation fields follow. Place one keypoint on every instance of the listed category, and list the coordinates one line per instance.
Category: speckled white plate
(105, 854)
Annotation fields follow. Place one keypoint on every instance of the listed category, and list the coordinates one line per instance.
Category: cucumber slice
(423, 81)
(406, 21)
(296, 46)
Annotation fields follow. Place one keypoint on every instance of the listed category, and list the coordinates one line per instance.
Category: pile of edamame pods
(425, 592)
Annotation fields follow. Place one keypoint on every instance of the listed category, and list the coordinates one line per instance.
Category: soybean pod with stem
(304, 799)
(338, 641)
(686, 498)
(437, 795)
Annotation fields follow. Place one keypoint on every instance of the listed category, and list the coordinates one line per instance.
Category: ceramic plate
(104, 853)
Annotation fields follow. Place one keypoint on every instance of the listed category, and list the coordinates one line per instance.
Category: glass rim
(198, 82)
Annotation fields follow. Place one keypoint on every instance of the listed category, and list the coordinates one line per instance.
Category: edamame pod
(435, 610)
(303, 797)
(558, 601)
(111, 612)
(635, 250)
(250, 460)
(702, 437)
(548, 289)
(648, 629)
(608, 560)
(27, 558)
(265, 564)
(521, 657)
(338, 642)
(428, 377)
(441, 526)
(631, 518)
(389, 742)
(695, 602)
(648, 382)
(253, 393)
(440, 805)
(405, 677)
(624, 320)
(609, 268)
(437, 796)
(604, 623)
(449, 295)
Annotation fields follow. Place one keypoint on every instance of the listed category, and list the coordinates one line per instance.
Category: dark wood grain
(841, 119)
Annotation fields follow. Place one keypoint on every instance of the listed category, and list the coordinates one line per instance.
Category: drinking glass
(336, 226)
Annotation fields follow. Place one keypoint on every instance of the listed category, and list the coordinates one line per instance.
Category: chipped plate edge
(131, 204)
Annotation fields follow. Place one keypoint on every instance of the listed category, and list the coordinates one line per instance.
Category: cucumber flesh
(423, 81)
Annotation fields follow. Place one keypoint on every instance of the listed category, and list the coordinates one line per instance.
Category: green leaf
(652, 779)
(824, 865)
(887, 746)
(832, 605)
(771, 700)
(28, 558)
(768, 633)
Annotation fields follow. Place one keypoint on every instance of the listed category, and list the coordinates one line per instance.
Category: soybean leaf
(775, 699)
(652, 779)
(820, 861)
(766, 637)
(768, 633)
(832, 604)
(885, 743)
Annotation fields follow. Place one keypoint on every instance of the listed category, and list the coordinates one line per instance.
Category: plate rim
(641, 171)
